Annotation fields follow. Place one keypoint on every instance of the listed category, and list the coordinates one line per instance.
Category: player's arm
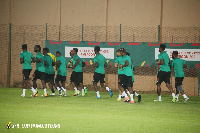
(126, 64)
(57, 63)
(38, 61)
(96, 64)
(184, 64)
(161, 62)
(78, 60)
(116, 64)
(21, 60)
(33, 60)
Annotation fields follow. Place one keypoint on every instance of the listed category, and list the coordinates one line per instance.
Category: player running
(77, 74)
(26, 58)
(54, 59)
(61, 64)
(178, 65)
(164, 73)
(40, 70)
(99, 74)
(126, 79)
(118, 61)
(49, 70)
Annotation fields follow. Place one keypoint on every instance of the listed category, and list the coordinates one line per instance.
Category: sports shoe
(177, 100)
(64, 95)
(122, 96)
(174, 99)
(132, 101)
(53, 94)
(110, 91)
(83, 94)
(126, 98)
(45, 95)
(86, 89)
(158, 100)
(22, 95)
(186, 99)
(139, 98)
(76, 93)
(35, 93)
(118, 99)
(98, 97)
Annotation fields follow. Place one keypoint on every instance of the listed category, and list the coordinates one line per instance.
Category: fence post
(10, 56)
(46, 30)
(82, 31)
(199, 82)
(158, 33)
(120, 32)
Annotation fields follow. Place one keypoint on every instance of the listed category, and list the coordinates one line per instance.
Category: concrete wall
(100, 12)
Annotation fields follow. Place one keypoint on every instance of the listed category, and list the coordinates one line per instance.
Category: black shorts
(120, 76)
(38, 75)
(26, 73)
(163, 76)
(178, 81)
(77, 77)
(98, 77)
(49, 77)
(60, 78)
(126, 81)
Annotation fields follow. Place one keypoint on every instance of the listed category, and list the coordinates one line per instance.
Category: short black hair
(97, 48)
(175, 52)
(123, 50)
(118, 50)
(162, 46)
(45, 49)
(58, 52)
(24, 46)
(127, 53)
(75, 49)
(38, 46)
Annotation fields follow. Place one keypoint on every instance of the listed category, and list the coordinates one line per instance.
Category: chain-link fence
(13, 36)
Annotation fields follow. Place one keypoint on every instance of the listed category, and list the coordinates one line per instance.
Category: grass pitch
(88, 114)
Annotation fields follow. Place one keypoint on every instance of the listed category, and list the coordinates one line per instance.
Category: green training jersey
(119, 61)
(128, 71)
(165, 67)
(100, 59)
(49, 67)
(62, 70)
(78, 67)
(27, 56)
(177, 64)
(133, 73)
(40, 66)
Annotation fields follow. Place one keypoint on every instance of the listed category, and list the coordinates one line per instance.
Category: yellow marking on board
(107, 61)
(91, 63)
(143, 63)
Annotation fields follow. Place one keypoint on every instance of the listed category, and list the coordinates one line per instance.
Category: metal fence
(13, 36)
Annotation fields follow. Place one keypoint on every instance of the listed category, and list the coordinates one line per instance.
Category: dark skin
(51, 82)
(57, 65)
(184, 66)
(38, 61)
(78, 61)
(96, 65)
(121, 67)
(167, 84)
(26, 83)
(116, 65)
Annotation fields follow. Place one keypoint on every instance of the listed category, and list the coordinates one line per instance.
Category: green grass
(88, 114)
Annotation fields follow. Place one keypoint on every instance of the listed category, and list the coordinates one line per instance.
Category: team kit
(47, 64)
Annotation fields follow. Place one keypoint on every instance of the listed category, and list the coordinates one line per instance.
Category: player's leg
(179, 87)
(120, 90)
(96, 79)
(58, 86)
(51, 84)
(63, 85)
(169, 86)
(42, 79)
(177, 91)
(129, 86)
(102, 83)
(159, 81)
(74, 84)
(80, 81)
